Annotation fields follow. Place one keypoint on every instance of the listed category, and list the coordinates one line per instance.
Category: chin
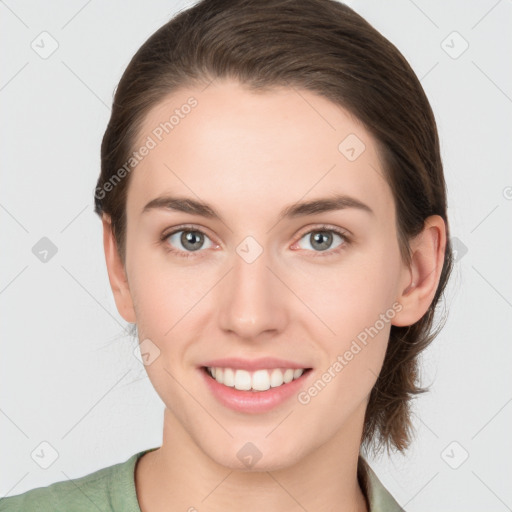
(253, 456)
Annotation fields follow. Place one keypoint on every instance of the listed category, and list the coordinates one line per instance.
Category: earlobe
(117, 273)
(423, 275)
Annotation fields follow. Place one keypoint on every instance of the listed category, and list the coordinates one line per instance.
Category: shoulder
(99, 490)
(77, 494)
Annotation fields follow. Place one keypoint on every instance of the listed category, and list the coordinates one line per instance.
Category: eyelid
(326, 227)
(185, 227)
(344, 233)
(318, 227)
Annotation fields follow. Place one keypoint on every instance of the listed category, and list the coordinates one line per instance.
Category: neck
(179, 475)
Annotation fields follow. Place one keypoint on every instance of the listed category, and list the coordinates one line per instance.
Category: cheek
(349, 297)
(164, 297)
(360, 318)
(355, 305)
(162, 291)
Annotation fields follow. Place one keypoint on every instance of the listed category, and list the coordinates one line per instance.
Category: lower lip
(253, 401)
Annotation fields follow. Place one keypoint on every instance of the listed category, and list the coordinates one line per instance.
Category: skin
(249, 155)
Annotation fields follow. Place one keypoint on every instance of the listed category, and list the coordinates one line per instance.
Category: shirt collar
(378, 497)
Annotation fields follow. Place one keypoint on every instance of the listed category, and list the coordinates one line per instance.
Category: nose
(253, 300)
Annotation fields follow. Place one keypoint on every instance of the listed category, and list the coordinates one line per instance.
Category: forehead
(239, 150)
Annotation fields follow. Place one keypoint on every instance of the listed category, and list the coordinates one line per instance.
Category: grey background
(68, 373)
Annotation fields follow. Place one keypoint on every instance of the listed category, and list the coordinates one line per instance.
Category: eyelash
(347, 240)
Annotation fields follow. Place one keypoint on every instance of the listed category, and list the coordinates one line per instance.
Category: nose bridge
(251, 301)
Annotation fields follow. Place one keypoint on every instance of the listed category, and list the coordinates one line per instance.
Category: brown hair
(325, 47)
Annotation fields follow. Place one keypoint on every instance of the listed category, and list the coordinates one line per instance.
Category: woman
(275, 227)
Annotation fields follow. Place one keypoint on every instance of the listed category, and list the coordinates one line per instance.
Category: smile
(254, 391)
(259, 380)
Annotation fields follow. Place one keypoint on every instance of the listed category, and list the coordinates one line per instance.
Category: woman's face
(315, 288)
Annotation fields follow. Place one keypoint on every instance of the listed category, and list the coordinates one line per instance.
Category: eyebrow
(313, 207)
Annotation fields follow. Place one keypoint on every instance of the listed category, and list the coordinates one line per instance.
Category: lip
(262, 363)
(254, 402)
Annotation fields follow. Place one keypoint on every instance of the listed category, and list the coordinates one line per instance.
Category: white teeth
(229, 377)
(276, 378)
(288, 375)
(242, 380)
(260, 380)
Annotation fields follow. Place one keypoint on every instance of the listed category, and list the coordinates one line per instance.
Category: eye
(191, 240)
(321, 240)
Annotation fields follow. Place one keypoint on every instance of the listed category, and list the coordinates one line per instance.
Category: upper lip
(252, 364)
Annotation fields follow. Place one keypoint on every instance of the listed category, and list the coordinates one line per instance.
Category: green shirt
(113, 489)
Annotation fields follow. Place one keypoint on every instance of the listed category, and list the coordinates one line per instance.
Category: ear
(117, 273)
(419, 281)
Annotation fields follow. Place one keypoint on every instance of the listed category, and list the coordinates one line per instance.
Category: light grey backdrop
(73, 396)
